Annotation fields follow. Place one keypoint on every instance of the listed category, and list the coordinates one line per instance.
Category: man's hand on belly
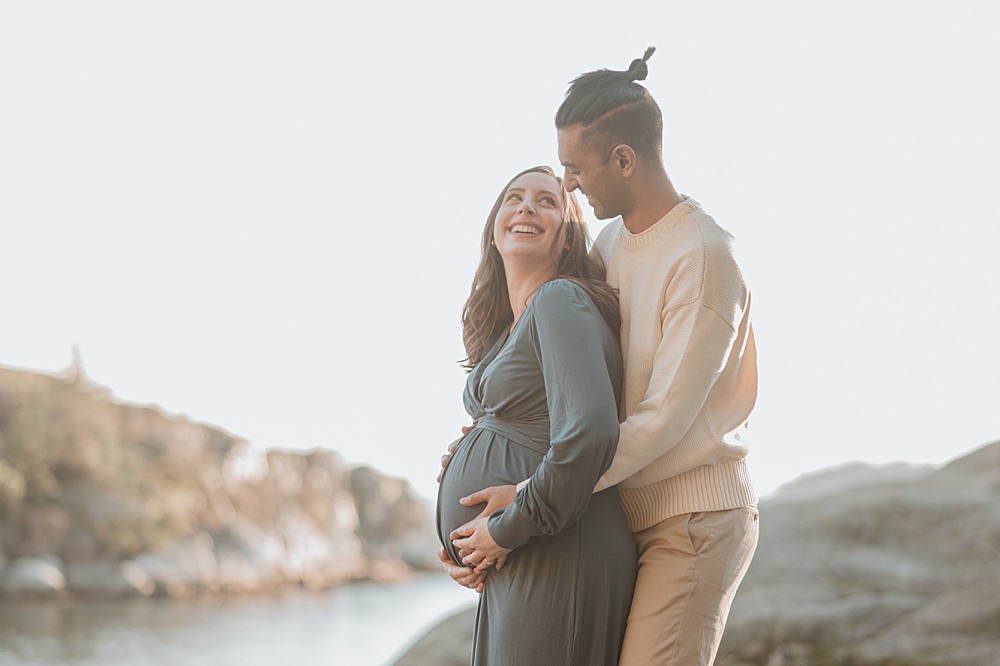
(495, 498)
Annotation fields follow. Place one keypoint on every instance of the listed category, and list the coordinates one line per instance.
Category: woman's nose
(526, 207)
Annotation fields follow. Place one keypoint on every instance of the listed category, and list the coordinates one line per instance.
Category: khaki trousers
(689, 569)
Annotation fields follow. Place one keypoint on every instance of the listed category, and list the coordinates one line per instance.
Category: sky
(265, 215)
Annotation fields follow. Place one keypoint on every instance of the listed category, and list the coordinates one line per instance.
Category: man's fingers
(475, 498)
(495, 497)
(502, 560)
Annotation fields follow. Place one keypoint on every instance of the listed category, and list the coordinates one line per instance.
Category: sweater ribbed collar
(635, 241)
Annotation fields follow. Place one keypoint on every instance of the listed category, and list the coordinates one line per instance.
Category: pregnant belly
(482, 459)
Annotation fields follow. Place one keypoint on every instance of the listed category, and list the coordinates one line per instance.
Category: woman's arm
(569, 337)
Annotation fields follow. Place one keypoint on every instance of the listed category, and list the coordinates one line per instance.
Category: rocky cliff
(861, 566)
(905, 571)
(103, 498)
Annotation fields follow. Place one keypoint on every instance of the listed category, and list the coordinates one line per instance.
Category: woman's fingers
(451, 451)
(485, 564)
(465, 530)
(464, 576)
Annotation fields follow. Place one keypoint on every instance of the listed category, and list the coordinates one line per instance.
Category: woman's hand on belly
(464, 576)
(451, 451)
(475, 536)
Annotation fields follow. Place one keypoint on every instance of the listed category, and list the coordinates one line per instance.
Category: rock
(42, 528)
(873, 574)
(33, 576)
(393, 522)
(188, 507)
(186, 567)
(793, 654)
(110, 578)
(249, 558)
(449, 643)
(850, 476)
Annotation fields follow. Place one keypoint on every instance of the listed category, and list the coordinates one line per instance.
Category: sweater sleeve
(569, 336)
(698, 334)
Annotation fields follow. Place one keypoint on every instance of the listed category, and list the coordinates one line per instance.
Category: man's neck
(655, 197)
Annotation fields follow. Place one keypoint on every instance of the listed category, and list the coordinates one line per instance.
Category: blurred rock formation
(110, 499)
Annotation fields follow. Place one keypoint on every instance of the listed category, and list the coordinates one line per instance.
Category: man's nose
(569, 181)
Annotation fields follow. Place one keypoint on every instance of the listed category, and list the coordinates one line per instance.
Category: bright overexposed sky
(265, 215)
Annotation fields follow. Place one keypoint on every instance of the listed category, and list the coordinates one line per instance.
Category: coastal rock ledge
(101, 498)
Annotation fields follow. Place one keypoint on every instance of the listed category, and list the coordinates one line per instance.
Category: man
(690, 374)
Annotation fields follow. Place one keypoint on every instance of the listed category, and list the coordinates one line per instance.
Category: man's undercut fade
(613, 109)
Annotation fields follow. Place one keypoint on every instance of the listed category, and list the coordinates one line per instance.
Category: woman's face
(530, 218)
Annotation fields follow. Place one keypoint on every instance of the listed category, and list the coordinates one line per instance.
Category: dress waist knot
(522, 436)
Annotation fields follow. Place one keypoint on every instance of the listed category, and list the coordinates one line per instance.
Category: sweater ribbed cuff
(725, 485)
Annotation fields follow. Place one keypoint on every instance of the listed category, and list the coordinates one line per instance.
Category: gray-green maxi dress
(544, 400)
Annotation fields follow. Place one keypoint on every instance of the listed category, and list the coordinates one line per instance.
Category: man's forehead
(569, 140)
(574, 146)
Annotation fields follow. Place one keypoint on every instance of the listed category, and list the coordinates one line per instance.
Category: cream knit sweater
(690, 367)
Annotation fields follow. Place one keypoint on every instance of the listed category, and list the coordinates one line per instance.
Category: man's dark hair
(614, 109)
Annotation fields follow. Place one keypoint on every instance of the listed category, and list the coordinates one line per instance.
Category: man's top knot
(638, 70)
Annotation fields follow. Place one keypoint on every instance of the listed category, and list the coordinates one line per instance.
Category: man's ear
(624, 159)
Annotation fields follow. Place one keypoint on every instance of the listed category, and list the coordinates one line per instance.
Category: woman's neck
(522, 283)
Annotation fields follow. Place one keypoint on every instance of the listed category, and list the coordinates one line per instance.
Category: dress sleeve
(569, 336)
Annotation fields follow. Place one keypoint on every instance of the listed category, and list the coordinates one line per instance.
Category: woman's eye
(549, 200)
(513, 197)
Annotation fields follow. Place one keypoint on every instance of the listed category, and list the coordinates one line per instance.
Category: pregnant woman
(541, 334)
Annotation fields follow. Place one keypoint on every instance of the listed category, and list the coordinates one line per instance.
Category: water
(358, 624)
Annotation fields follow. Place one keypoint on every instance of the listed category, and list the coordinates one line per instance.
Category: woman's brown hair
(487, 311)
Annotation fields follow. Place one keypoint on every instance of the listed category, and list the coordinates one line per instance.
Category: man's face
(587, 169)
